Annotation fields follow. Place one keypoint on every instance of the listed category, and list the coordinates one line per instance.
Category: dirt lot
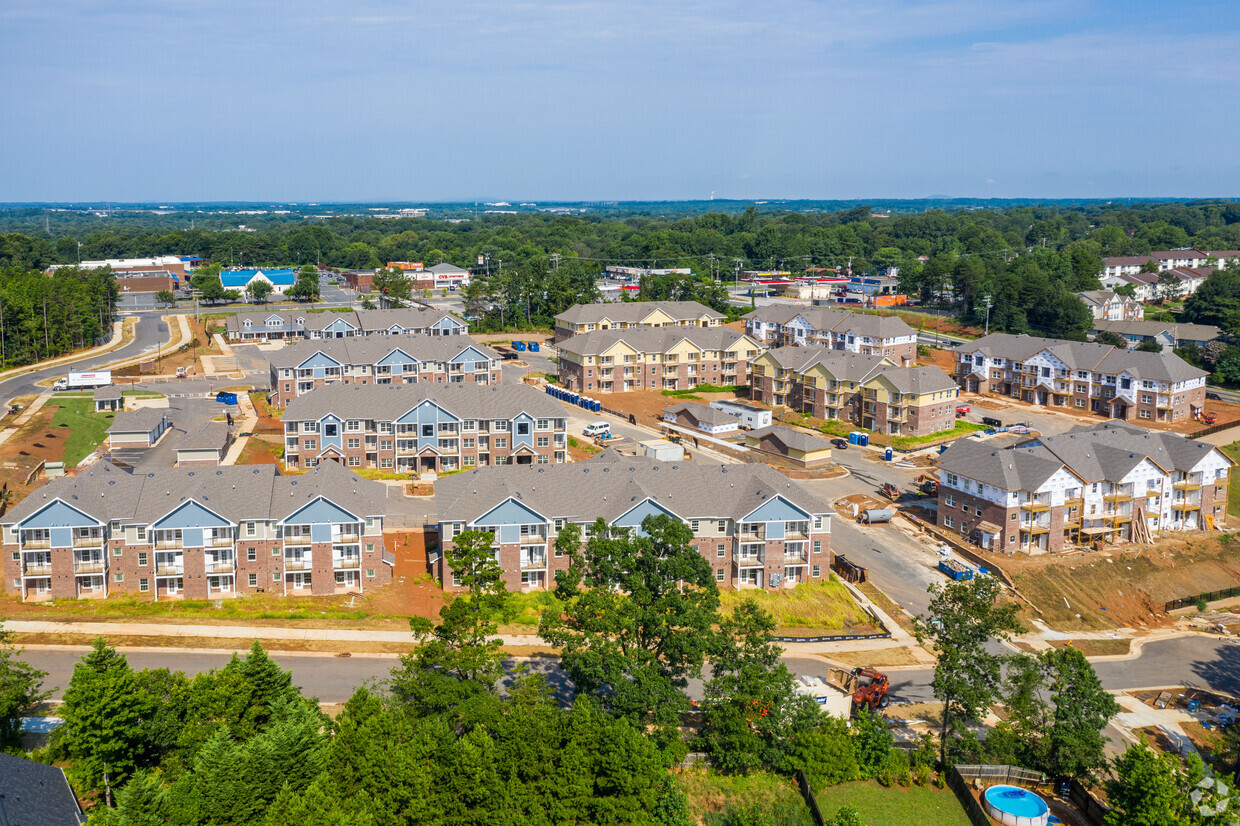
(186, 356)
(413, 591)
(648, 405)
(259, 450)
(944, 359)
(35, 442)
(1126, 585)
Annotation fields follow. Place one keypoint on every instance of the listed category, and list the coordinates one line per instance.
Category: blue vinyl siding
(509, 512)
(190, 515)
(633, 518)
(777, 509)
(320, 511)
(57, 514)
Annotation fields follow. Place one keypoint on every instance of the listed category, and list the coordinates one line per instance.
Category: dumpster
(226, 398)
(533, 346)
(519, 346)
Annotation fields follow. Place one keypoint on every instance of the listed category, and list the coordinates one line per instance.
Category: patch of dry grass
(825, 605)
(877, 658)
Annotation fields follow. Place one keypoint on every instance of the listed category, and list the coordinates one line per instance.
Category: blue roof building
(280, 280)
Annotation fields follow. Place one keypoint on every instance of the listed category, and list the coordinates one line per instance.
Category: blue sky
(177, 100)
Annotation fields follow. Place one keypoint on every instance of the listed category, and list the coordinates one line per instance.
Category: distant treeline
(1027, 260)
(43, 316)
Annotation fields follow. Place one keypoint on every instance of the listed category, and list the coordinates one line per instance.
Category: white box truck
(83, 380)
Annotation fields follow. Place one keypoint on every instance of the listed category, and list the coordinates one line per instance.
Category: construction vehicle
(674, 438)
(890, 491)
(867, 686)
(1210, 418)
(927, 484)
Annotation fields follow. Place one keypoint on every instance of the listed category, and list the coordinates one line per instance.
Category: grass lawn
(880, 806)
(962, 428)
(89, 428)
(1233, 491)
(822, 605)
(713, 797)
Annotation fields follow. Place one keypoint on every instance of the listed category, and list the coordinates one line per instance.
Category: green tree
(20, 691)
(1170, 287)
(461, 656)
(751, 705)
(306, 287)
(1146, 790)
(640, 608)
(846, 816)
(258, 290)
(104, 717)
(872, 740)
(1082, 709)
(1108, 337)
(826, 753)
(142, 802)
(964, 620)
(1149, 346)
(392, 286)
(166, 297)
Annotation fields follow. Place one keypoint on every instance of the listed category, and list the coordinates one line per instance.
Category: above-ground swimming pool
(1015, 806)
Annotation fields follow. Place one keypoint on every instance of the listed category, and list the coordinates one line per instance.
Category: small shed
(663, 450)
(138, 428)
(205, 446)
(803, 449)
(109, 399)
(705, 419)
(752, 416)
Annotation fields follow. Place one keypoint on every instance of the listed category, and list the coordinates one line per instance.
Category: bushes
(826, 754)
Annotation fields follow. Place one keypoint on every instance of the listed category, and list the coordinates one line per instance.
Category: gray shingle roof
(372, 349)
(36, 794)
(791, 437)
(142, 420)
(835, 319)
(654, 339)
(610, 484)
(110, 392)
(1003, 468)
(1109, 451)
(211, 436)
(236, 492)
(1191, 332)
(1080, 355)
(930, 379)
(411, 318)
(631, 312)
(703, 414)
(843, 364)
(388, 402)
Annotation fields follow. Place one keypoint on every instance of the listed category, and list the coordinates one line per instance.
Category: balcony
(221, 567)
(89, 566)
(1119, 495)
(1185, 506)
(218, 542)
(1119, 518)
(539, 561)
(88, 541)
(749, 561)
(1074, 502)
(169, 570)
(1190, 483)
(168, 544)
(40, 569)
(801, 557)
(346, 562)
(1035, 505)
(35, 544)
(1035, 528)
(298, 564)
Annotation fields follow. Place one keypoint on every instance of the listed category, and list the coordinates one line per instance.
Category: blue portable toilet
(863, 439)
(887, 454)
(597, 407)
(852, 438)
(572, 398)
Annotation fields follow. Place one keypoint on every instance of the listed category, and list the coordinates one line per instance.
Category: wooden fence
(812, 802)
(961, 777)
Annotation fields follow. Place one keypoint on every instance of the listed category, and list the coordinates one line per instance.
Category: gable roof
(610, 485)
(1079, 355)
(372, 349)
(632, 312)
(1002, 468)
(703, 414)
(142, 420)
(240, 278)
(834, 319)
(388, 402)
(368, 321)
(917, 380)
(1190, 332)
(654, 339)
(790, 437)
(36, 794)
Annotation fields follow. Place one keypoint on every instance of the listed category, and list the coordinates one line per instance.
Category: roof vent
(150, 476)
(111, 482)
(191, 473)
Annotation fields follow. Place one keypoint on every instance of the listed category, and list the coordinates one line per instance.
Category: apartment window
(253, 580)
(310, 444)
(559, 525)
(523, 428)
(275, 551)
(251, 554)
(118, 577)
(370, 573)
(353, 425)
(817, 546)
(952, 479)
(144, 585)
(1145, 414)
(501, 441)
(1080, 402)
(355, 461)
(949, 521)
(817, 569)
(456, 580)
(543, 441)
(116, 551)
(721, 551)
(817, 523)
(141, 534)
(722, 526)
(694, 525)
(718, 575)
(354, 443)
(950, 500)
(275, 576)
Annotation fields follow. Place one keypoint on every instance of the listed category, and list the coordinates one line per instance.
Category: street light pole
(988, 303)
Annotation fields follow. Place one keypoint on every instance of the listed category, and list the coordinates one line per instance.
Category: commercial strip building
(424, 427)
(757, 528)
(1080, 376)
(301, 367)
(648, 358)
(143, 275)
(279, 325)
(199, 533)
(835, 329)
(630, 315)
(1115, 482)
(279, 279)
(870, 391)
(1169, 335)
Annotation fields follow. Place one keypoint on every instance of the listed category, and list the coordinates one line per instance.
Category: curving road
(150, 332)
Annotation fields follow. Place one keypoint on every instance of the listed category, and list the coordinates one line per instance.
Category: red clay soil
(413, 591)
(38, 431)
(257, 451)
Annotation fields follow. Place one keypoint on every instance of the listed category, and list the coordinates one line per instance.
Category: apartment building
(757, 528)
(1169, 335)
(870, 391)
(1149, 286)
(197, 533)
(630, 315)
(1088, 485)
(1082, 376)
(835, 329)
(424, 427)
(645, 358)
(279, 325)
(1107, 305)
(306, 365)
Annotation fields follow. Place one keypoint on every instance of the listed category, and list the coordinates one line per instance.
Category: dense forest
(43, 316)
(1016, 267)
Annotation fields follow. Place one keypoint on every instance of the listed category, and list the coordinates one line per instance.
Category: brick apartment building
(424, 427)
(1081, 376)
(1090, 484)
(278, 325)
(1108, 305)
(757, 528)
(301, 367)
(628, 315)
(199, 533)
(835, 329)
(868, 390)
(645, 358)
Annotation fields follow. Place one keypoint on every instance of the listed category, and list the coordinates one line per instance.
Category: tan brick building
(835, 329)
(630, 315)
(615, 361)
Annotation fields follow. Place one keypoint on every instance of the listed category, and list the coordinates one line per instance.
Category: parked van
(597, 429)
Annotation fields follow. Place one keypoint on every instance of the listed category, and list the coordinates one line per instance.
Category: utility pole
(711, 257)
(555, 261)
(988, 304)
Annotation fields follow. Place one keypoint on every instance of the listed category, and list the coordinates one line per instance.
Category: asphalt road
(149, 332)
